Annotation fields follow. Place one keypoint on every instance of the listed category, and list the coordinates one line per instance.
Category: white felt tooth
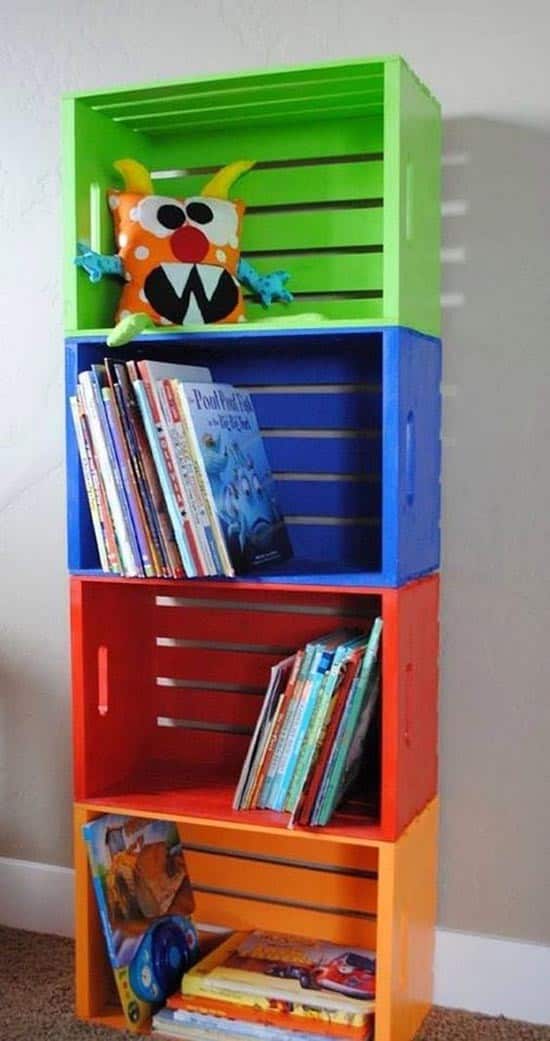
(193, 315)
(210, 276)
(177, 275)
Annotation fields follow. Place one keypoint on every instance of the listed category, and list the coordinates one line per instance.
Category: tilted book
(141, 883)
(239, 481)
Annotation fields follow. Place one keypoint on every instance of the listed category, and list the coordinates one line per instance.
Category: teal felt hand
(97, 264)
(267, 287)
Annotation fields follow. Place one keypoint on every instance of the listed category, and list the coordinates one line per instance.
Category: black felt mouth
(165, 299)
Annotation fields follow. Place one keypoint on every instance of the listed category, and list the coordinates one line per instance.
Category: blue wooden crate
(351, 424)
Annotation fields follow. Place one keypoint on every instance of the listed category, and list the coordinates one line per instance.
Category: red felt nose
(189, 244)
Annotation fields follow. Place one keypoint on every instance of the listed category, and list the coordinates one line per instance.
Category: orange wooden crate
(378, 894)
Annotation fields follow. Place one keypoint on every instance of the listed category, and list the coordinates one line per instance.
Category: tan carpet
(36, 999)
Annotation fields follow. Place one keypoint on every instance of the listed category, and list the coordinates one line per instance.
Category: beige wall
(488, 64)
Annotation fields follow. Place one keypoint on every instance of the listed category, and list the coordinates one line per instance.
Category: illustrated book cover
(144, 897)
(239, 479)
(294, 968)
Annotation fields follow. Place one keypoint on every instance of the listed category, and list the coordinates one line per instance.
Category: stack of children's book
(307, 746)
(175, 471)
(274, 987)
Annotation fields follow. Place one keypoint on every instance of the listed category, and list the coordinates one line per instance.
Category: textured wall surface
(488, 64)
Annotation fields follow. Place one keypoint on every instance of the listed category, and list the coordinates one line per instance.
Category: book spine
(171, 561)
(128, 480)
(90, 483)
(263, 790)
(149, 520)
(184, 465)
(358, 721)
(104, 453)
(113, 555)
(157, 441)
(300, 760)
(329, 731)
(283, 764)
(226, 565)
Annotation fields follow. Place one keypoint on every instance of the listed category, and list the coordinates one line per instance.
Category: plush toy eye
(199, 212)
(170, 216)
(160, 215)
(218, 217)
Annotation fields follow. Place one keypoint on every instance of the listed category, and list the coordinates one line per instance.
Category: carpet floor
(36, 978)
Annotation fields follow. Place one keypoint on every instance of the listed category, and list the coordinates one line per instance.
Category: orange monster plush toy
(180, 258)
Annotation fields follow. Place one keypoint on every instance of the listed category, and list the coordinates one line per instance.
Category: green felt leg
(129, 327)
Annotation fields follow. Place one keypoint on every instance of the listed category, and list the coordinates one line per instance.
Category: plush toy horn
(219, 186)
(136, 178)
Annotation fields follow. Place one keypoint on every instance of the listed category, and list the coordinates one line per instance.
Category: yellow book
(313, 974)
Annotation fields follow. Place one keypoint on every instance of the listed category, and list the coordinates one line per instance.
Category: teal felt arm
(97, 264)
(267, 287)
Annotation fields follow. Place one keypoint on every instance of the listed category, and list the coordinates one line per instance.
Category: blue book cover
(238, 474)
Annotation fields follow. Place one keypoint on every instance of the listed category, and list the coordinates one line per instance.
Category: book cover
(255, 1008)
(273, 750)
(350, 737)
(209, 1027)
(346, 672)
(278, 965)
(144, 898)
(184, 461)
(238, 473)
(279, 674)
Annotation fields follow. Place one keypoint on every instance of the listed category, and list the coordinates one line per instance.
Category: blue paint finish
(382, 382)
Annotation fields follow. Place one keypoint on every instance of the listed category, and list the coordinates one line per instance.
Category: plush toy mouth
(191, 293)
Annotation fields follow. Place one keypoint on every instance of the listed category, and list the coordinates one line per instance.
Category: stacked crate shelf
(168, 676)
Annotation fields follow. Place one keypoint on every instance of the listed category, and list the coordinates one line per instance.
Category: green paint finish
(292, 184)
(345, 195)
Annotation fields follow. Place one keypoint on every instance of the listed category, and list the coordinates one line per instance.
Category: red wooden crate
(167, 689)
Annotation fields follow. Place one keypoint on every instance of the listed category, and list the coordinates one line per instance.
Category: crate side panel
(417, 698)
(419, 206)
(406, 929)
(92, 144)
(419, 447)
(111, 661)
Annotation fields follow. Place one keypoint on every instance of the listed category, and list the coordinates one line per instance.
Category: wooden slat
(294, 184)
(292, 629)
(313, 229)
(345, 455)
(336, 542)
(293, 884)
(235, 913)
(331, 410)
(223, 707)
(339, 310)
(314, 848)
(241, 84)
(335, 498)
(288, 140)
(318, 272)
(298, 360)
(258, 116)
(196, 749)
(251, 671)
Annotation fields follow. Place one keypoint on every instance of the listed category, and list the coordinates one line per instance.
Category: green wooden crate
(344, 194)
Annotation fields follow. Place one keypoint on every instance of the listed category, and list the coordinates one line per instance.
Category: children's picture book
(144, 897)
(254, 1008)
(238, 476)
(286, 967)
(197, 1026)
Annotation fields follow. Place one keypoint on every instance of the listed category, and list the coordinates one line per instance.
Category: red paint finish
(198, 661)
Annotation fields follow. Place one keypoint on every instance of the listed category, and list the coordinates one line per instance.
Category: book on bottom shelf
(145, 900)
